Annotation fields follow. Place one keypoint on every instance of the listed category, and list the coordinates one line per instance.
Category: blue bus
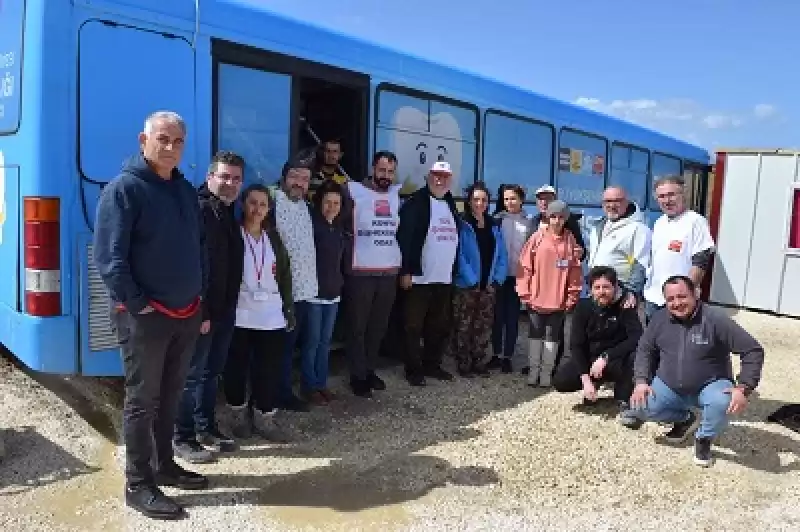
(78, 78)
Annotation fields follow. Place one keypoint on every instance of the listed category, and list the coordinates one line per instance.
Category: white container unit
(757, 265)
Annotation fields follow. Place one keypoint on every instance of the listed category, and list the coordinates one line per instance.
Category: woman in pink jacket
(549, 283)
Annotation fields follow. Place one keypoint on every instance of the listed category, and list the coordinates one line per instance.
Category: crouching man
(687, 348)
(602, 344)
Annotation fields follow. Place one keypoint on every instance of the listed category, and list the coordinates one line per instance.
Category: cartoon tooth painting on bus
(416, 151)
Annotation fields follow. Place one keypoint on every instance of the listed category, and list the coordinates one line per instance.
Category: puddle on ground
(91, 502)
(344, 503)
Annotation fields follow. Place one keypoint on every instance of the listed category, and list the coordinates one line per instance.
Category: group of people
(231, 283)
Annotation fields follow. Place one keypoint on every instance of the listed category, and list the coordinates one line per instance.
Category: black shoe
(439, 374)
(415, 379)
(702, 452)
(375, 382)
(481, 371)
(505, 366)
(151, 502)
(494, 363)
(216, 441)
(466, 373)
(361, 387)
(175, 476)
(680, 430)
(191, 451)
(295, 404)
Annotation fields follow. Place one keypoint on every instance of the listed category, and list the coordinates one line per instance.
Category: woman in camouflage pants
(482, 265)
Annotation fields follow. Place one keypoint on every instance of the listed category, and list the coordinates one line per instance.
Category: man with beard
(329, 155)
(371, 267)
(294, 225)
(196, 432)
(428, 240)
(683, 363)
(602, 344)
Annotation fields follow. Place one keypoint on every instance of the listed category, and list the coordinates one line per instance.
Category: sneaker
(295, 404)
(151, 502)
(494, 363)
(375, 382)
(415, 379)
(439, 374)
(216, 441)
(315, 398)
(265, 426)
(466, 373)
(175, 476)
(242, 425)
(481, 371)
(505, 366)
(702, 452)
(680, 430)
(627, 417)
(361, 388)
(327, 394)
(191, 451)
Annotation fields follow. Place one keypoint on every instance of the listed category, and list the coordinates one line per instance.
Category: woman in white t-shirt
(264, 313)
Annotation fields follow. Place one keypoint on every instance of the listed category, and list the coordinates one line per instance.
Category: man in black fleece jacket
(196, 431)
(149, 249)
(602, 344)
(688, 347)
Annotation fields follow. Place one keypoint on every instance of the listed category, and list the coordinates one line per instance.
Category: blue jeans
(316, 345)
(300, 318)
(668, 407)
(199, 398)
(506, 319)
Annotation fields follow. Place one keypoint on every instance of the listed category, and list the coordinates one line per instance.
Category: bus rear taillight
(42, 256)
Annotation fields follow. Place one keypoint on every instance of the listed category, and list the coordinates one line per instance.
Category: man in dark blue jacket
(684, 362)
(149, 250)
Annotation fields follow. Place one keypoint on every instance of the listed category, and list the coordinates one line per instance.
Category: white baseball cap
(546, 189)
(441, 167)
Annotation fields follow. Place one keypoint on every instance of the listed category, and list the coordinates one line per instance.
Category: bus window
(581, 167)
(629, 170)
(111, 113)
(11, 23)
(422, 129)
(253, 119)
(663, 166)
(517, 150)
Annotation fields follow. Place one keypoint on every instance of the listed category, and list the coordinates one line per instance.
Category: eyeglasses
(228, 178)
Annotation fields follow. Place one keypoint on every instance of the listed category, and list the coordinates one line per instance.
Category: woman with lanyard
(263, 315)
(549, 283)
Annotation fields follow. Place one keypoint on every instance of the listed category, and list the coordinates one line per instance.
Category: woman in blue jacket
(482, 265)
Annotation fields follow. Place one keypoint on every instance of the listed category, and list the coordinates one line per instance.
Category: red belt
(181, 313)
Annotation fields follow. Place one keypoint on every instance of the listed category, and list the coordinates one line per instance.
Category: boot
(534, 360)
(265, 426)
(549, 354)
(241, 425)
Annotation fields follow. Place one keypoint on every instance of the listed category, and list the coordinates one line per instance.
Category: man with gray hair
(681, 244)
(621, 240)
(149, 249)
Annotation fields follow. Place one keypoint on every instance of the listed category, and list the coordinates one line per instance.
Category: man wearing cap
(428, 240)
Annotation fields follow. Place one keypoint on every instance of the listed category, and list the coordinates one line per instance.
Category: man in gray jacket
(683, 362)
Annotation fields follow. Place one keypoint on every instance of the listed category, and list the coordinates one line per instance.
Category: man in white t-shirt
(428, 239)
(371, 266)
(681, 243)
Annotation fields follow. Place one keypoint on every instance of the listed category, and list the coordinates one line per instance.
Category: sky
(718, 73)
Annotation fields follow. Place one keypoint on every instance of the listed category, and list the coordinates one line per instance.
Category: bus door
(125, 74)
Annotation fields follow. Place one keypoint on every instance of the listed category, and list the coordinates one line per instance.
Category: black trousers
(426, 318)
(156, 352)
(619, 371)
(255, 359)
(369, 304)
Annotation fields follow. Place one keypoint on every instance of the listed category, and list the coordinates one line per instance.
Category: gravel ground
(469, 455)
